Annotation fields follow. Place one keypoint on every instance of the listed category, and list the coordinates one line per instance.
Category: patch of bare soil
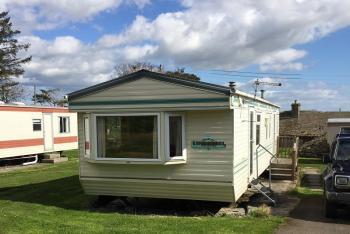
(151, 206)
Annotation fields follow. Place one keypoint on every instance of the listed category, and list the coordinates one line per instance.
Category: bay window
(128, 136)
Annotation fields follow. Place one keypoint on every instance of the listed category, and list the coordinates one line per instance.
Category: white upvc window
(127, 137)
(64, 124)
(87, 145)
(175, 137)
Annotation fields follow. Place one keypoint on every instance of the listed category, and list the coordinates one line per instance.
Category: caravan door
(251, 141)
(48, 131)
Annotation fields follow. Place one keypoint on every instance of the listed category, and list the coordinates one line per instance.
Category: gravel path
(308, 216)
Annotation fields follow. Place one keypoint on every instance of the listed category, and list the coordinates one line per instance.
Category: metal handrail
(273, 156)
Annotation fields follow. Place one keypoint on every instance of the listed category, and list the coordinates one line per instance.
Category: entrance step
(54, 160)
(281, 165)
(284, 171)
(281, 177)
(51, 155)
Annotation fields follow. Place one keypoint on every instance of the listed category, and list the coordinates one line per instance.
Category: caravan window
(86, 136)
(36, 125)
(176, 138)
(64, 124)
(257, 130)
(127, 136)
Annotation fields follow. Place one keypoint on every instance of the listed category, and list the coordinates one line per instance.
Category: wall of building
(149, 93)
(17, 137)
(269, 119)
(203, 168)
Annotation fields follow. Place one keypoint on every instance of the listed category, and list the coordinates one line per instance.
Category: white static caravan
(31, 130)
(336, 126)
(147, 134)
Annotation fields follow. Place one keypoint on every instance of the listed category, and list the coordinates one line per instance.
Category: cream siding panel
(202, 165)
(159, 189)
(241, 150)
(148, 89)
(18, 125)
(261, 158)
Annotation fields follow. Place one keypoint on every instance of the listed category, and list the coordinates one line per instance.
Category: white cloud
(234, 34)
(68, 63)
(283, 60)
(44, 15)
(206, 35)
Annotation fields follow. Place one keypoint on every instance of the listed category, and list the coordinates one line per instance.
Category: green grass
(284, 152)
(304, 163)
(71, 154)
(311, 163)
(49, 199)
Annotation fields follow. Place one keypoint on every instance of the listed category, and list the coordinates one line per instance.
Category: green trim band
(162, 101)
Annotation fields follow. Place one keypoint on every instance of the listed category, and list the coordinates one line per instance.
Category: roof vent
(232, 86)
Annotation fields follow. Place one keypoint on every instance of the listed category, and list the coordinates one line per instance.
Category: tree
(180, 73)
(46, 96)
(10, 63)
(10, 91)
(61, 102)
(127, 68)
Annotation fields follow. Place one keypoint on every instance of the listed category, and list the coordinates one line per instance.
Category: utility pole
(34, 96)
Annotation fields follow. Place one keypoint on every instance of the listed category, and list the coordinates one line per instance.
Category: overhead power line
(258, 73)
(256, 76)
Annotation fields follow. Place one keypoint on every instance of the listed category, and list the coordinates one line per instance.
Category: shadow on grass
(64, 193)
(310, 161)
(67, 193)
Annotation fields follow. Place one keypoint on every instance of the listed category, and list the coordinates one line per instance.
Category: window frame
(87, 137)
(67, 126)
(94, 140)
(182, 157)
(41, 125)
(258, 135)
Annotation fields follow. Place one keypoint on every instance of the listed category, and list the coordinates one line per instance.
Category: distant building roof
(339, 120)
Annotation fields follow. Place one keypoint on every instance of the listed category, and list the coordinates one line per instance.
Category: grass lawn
(49, 199)
(304, 163)
(312, 163)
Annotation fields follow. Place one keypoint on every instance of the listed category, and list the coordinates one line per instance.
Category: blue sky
(76, 44)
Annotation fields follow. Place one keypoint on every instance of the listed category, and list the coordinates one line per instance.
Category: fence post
(278, 147)
(295, 157)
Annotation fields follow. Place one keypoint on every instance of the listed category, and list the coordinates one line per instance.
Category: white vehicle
(30, 130)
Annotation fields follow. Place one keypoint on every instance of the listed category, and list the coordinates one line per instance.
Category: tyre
(330, 209)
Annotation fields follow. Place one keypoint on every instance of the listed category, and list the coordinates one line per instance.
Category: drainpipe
(32, 162)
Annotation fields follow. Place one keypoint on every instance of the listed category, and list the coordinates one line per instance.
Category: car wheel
(330, 209)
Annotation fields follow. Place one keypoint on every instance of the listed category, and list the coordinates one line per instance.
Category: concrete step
(280, 165)
(284, 171)
(51, 155)
(54, 160)
(281, 177)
